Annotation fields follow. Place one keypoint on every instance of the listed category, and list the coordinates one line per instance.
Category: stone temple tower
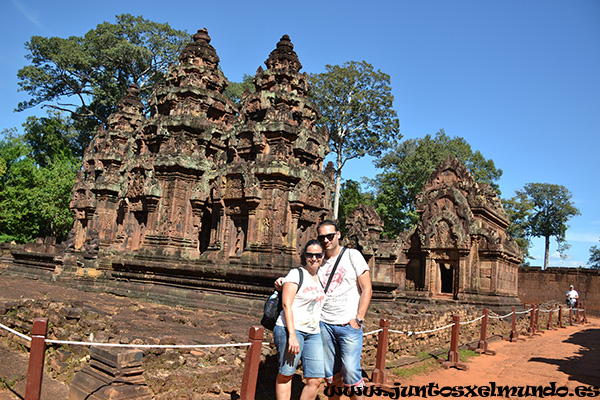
(204, 192)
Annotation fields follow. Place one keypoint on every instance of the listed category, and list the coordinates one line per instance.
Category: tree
(548, 208)
(50, 137)
(235, 90)
(356, 103)
(594, 260)
(86, 76)
(408, 166)
(34, 200)
(351, 196)
(518, 210)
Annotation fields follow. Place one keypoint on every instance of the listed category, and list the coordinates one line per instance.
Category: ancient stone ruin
(459, 249)
(203, 192)
(211, 195)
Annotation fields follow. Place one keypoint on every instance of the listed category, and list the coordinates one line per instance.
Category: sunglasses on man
(329, 237)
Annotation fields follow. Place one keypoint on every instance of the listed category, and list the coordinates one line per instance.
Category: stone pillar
(114, 374)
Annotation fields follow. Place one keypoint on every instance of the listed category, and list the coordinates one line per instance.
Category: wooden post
(482, 346)
(560, 317)
(37, 351)
(549, 324)
(453, 356)
(583, 316)
(251, 363)
(537, 319)
(514, 334)
(379, 373)
(571, 316)
(531, 329)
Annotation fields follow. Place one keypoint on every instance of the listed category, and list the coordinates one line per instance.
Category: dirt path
(570, 357)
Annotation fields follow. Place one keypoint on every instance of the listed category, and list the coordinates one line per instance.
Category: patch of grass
(465, 354)
(420, 368)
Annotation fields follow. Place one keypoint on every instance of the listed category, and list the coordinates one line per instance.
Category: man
(572, 297)
(346, 303)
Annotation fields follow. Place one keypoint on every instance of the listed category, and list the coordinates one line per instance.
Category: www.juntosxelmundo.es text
(398, 391)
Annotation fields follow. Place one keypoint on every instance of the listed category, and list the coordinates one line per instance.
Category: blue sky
(519, 80)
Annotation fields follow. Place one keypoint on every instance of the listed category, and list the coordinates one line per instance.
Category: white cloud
(31, 15)
(583, 237)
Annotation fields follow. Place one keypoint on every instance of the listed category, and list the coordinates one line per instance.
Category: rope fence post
(583, 316)
(453, 356)
(482, 346)
(560, 317)
(37, 351)
(536, 325)
(251, 363)
(549, 324)
(514, 335)
(380, 373)
(532, 330)
(571, 316)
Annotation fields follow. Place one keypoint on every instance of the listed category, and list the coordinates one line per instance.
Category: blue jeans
(311, 353)
(342, 348)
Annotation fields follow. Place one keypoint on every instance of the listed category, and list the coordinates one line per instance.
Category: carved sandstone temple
(208, 201)
(459, 249)
(203, 193)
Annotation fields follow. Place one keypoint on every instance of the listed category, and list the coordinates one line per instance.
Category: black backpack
(273, 306)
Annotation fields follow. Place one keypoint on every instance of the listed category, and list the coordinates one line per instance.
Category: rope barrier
(148, 346)
(372, 332)
(138, 346)
(192, 346)
(470, 322)
(15, 332)
(523, 312)
(409, 333)
(500, 317)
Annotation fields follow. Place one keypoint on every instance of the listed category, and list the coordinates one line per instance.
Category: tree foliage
(34, 199)
(544, 210)
(87, 75)
(351, 195)
(594, 261)
(356, 104)
(50, 137)
(518, 210)
(235, 90)
(408, 166)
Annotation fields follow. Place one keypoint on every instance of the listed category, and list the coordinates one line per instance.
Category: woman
(297, 335)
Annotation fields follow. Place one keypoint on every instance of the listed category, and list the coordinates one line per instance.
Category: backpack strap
(301, 274)
(334, 268)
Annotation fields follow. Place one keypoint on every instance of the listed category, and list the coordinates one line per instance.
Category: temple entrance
(446, 277)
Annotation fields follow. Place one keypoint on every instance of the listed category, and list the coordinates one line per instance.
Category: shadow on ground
(585, 366)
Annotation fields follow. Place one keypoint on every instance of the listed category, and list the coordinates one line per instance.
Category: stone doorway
(447, 282)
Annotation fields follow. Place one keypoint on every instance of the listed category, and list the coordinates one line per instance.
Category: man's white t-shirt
(572, 294)
(307, 304)
(343, 295)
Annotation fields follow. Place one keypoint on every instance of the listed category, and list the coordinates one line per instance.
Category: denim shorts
(311, 353)
(342, 348)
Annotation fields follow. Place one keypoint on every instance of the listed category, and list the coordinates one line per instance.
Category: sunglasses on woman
(318, 256)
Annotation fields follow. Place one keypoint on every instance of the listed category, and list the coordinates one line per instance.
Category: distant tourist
(572, 297)
(297, 330)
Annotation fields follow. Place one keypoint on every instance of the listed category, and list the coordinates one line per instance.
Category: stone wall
(537, 286)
